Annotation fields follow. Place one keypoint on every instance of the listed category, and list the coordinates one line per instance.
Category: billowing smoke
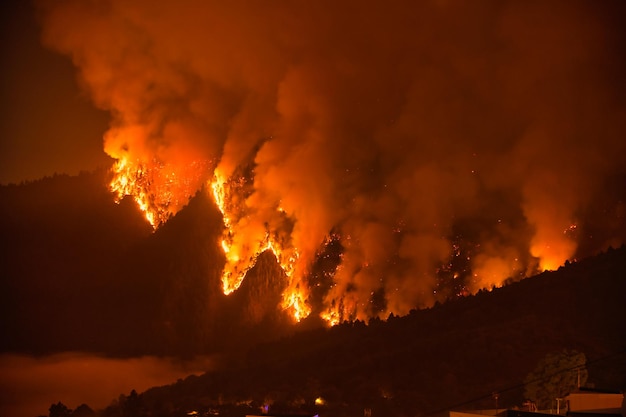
(438, 140)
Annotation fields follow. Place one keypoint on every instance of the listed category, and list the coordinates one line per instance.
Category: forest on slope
(83, 273)
(453, 356)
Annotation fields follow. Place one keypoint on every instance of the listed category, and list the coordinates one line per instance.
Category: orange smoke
(399, 129)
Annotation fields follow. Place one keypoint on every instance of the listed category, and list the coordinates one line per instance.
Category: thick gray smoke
(406, 127)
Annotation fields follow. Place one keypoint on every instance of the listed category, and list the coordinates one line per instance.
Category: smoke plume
(437, 140)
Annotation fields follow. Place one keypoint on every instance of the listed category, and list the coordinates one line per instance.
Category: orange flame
(235, 269)
(294, 301)
(554, 247)
(331, 317)
(241, 251)
(159, 190)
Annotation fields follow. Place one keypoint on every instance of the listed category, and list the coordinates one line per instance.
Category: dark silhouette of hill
(454, 355)
(62, 239)
(80, 272)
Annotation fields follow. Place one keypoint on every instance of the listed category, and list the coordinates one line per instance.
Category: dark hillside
(80, 272)
(62, 239)
(452, 356)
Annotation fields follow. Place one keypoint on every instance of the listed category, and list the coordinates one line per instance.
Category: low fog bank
(29, 385)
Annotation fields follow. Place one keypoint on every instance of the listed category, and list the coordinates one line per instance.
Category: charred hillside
(454, 355)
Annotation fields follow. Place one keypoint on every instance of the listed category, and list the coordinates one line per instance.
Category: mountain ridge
(454, 355)
(69, 247)
(83, 273)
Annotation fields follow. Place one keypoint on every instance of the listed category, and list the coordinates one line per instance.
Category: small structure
(584, 402)
(282, 415)
(502, 412)
(589, 402)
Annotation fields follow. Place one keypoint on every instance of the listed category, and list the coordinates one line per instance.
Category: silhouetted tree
(133, 405)
(59, 410)
(83, 410)
(555, 376)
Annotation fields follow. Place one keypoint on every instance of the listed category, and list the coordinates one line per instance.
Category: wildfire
(235, 269)
(242, 243)
(132, 179)
(219, 196)
(554, 249)
(331, 317)
(160, 190)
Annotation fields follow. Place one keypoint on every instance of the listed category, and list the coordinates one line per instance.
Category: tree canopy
(555, 376)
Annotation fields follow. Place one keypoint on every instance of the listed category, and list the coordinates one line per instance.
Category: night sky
(49, 126)
(414, 133)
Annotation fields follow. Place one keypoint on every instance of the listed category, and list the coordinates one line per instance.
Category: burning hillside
(437, 148)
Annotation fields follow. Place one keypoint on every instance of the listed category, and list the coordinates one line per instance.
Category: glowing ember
(294, 301)
(331, 317)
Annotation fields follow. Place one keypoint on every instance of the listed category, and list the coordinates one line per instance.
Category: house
(591, 402)
(583, 402)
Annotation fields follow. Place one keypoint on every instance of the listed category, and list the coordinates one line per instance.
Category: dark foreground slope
(452, 356)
